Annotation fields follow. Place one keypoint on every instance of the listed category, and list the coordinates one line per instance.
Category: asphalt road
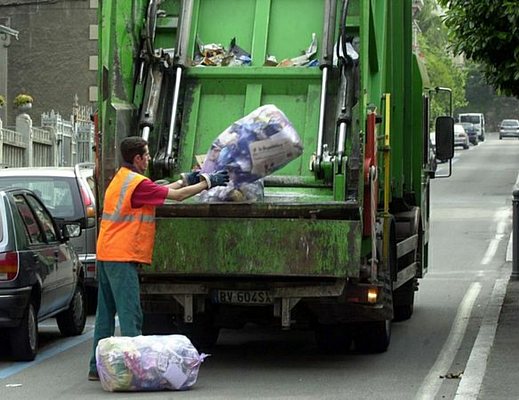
(471, 222)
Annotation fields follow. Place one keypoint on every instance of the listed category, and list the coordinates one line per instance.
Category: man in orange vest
(127, 235)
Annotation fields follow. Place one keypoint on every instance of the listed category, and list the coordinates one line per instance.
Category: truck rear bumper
(324, 302)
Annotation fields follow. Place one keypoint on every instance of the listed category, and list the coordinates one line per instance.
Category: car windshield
(57, 193)
(510, 123)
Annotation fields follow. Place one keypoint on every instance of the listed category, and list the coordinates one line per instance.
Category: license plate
(242, 297)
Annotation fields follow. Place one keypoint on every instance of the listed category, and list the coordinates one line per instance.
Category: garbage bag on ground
(145, 363)
(250, 149)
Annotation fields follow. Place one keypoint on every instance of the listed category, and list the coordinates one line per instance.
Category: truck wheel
(373, 337)
(71, 322)
(334, 339)
(403, 301)
(24, 338)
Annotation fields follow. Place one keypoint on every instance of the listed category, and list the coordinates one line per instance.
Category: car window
(46, 220)
(510, 123)
(32, 229)
(59, 194)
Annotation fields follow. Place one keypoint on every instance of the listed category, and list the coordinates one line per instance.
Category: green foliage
(2, 100)
(441, 66)
(22, 99)
(487, 32)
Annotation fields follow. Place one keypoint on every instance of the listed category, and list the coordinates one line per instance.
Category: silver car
(460, 136)
(67, 192)
(509, 128)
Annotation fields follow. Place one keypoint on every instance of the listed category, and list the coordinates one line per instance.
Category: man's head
(134, 150)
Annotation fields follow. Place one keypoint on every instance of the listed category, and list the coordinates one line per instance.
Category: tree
(487, 32)
(441, 66)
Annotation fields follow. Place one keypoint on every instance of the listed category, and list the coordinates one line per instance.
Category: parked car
(471, 130)
(40, 273)
(509, 128)
(67, 192)
(460, 136)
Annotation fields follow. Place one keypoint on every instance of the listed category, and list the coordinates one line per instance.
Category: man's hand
(218, 178)
(190, 178)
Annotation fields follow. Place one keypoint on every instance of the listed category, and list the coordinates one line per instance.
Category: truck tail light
(8, 265)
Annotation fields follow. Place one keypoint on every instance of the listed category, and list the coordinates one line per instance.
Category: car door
(37, 255)
(64, 262)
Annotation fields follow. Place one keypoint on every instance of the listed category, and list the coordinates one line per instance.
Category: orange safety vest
(127, 234)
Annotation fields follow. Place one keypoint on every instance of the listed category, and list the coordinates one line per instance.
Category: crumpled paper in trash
(304, 60)
(250, 149)
(214, 55)
(146, 363)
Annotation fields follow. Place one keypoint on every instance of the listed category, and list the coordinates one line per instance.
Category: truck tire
(71, 322)
(24, 338)
(334, 339)
(403, 301)
(373, 337)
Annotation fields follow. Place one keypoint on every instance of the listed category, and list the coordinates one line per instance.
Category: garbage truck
(339, 239)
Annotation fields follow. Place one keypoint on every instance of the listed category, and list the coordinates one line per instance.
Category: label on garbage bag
(267, 155)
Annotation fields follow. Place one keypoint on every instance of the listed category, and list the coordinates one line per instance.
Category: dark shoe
(93, 376)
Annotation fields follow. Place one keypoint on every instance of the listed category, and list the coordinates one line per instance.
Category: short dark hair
(132, 146)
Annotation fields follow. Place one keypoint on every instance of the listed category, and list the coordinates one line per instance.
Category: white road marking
(432, 381)
(474, 373)
(503, 217)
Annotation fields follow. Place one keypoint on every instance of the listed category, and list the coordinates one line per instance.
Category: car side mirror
(70, 231)
(444, 138)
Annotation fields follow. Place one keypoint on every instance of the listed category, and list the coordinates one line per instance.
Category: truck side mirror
(444, 137)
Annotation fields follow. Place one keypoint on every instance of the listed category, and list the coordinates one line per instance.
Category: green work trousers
(118, 293)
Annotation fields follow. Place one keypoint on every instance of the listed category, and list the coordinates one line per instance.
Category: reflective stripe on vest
(116, 215)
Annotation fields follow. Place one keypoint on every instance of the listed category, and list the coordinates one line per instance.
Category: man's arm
(178, 192)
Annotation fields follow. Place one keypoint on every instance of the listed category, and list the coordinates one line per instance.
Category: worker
(127, 235)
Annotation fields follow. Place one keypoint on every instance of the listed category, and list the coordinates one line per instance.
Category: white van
(478, 120)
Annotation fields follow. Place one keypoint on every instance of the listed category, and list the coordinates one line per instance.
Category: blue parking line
(49, 352)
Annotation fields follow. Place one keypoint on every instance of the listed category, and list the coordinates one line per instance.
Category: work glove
(190, 178)
(218, 178)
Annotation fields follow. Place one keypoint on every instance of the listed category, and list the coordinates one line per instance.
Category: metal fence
(56, 143)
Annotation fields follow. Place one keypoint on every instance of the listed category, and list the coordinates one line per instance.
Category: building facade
(54, 58)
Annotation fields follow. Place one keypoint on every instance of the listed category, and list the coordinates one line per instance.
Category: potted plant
(23, 102)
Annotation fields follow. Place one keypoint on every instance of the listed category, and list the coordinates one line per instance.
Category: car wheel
(500, 137)
(465, 146)
(71, 322)
(24, 338)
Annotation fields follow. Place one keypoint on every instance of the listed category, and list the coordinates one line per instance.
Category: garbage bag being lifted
(251, 148)
(145, 363)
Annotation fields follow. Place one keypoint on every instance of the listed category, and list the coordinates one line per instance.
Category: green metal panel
(220, 96)
(290, 247)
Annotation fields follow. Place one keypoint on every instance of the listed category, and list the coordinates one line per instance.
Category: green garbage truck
(339, 238)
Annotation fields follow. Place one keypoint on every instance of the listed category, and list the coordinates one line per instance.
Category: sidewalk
(501, 380)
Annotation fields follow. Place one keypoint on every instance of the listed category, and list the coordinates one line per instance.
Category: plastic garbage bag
(250, 149)
(145, 363)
